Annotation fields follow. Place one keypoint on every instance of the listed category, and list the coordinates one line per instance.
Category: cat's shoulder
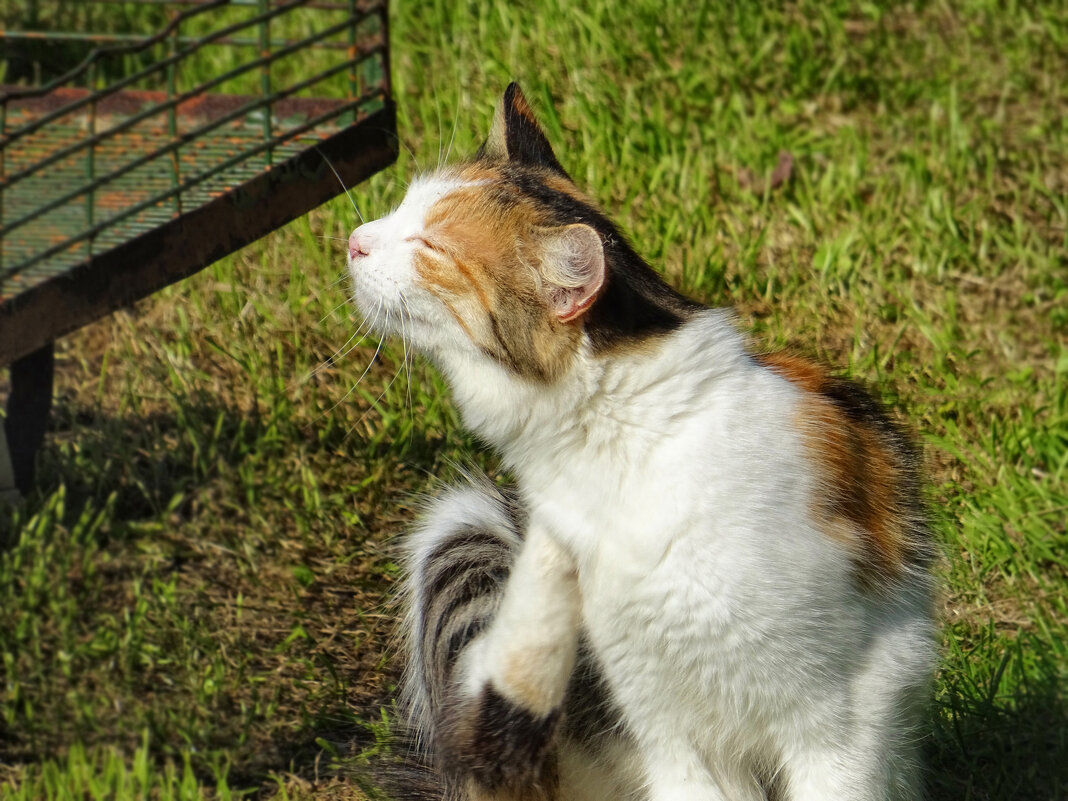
(869, 468)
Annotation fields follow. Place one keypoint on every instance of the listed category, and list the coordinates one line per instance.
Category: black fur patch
(525, 140)
(862, 408)
(455, 559)
(591, 712)
(480, 584)
(636, 302)
(501, 746)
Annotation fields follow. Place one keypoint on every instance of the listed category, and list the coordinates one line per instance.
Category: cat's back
(694, 442)
(771, 536)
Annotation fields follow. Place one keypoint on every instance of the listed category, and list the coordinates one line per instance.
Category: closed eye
(422, 241)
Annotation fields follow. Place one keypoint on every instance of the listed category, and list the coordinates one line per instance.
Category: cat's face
(487, 260)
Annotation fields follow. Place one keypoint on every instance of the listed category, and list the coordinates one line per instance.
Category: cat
(712, 579)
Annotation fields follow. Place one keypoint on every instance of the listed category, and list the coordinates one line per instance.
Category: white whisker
(441, 139)
(359, 380)
(333, 311)
(345, 274)
(455, 125)
(381, 395)
(415, 159)
(345, 349)
(407, 364)
(347, 193)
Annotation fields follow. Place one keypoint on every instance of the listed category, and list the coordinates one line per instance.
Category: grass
(193, 600)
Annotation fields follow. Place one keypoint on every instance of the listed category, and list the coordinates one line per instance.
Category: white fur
(730, 629)
(384, 280)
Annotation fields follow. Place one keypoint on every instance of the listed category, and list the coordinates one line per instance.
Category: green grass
(194, 599)
(109, 773)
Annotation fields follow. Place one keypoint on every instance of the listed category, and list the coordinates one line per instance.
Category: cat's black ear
(574, 270)
(516, 135)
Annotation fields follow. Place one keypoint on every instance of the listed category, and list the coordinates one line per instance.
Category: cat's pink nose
(359, 243)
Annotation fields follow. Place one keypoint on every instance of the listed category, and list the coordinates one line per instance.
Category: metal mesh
(106, 133)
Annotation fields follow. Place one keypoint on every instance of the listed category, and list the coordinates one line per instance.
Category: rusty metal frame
(271, 155)
(252, 183)
(183, 246)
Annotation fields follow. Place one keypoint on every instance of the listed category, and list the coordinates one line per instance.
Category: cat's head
(502, 258)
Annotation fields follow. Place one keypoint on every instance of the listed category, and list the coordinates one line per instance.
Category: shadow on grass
(990, 743)
(155, 463)
(174, 477)
(990, 746)
(339, 741)
(1006, 748)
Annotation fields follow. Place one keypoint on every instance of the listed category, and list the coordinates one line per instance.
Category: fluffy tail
(459, 560)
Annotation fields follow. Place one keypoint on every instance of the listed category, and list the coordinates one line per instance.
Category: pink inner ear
(572, 304)
(580, 256)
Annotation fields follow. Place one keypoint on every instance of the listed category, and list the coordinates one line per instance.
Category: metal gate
(141, 140)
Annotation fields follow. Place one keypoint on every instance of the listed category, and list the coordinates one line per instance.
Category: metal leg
(28, 407)
(8, 493)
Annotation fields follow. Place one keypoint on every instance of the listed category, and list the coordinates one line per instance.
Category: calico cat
(712, 579)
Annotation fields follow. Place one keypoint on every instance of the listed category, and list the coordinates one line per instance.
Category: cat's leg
(493, 622)
(874, 758)
(863, 770)
(511, 682)
(676, 772)
(829, 774)
(872, 752)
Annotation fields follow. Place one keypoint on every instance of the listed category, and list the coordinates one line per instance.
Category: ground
(194, 602)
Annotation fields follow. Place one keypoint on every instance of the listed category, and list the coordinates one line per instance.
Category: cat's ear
(573, 267)
(516, 136)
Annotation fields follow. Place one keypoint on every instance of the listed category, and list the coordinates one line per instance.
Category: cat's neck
(617, 404)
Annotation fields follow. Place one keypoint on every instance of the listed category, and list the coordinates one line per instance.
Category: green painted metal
(107, 135)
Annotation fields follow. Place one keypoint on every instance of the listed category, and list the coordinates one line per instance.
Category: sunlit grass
(197, 588)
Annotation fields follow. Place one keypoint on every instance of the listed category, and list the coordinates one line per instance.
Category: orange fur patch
(480, 271)
(859, 503)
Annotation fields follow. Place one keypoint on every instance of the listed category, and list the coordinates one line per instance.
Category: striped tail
(459, 560)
